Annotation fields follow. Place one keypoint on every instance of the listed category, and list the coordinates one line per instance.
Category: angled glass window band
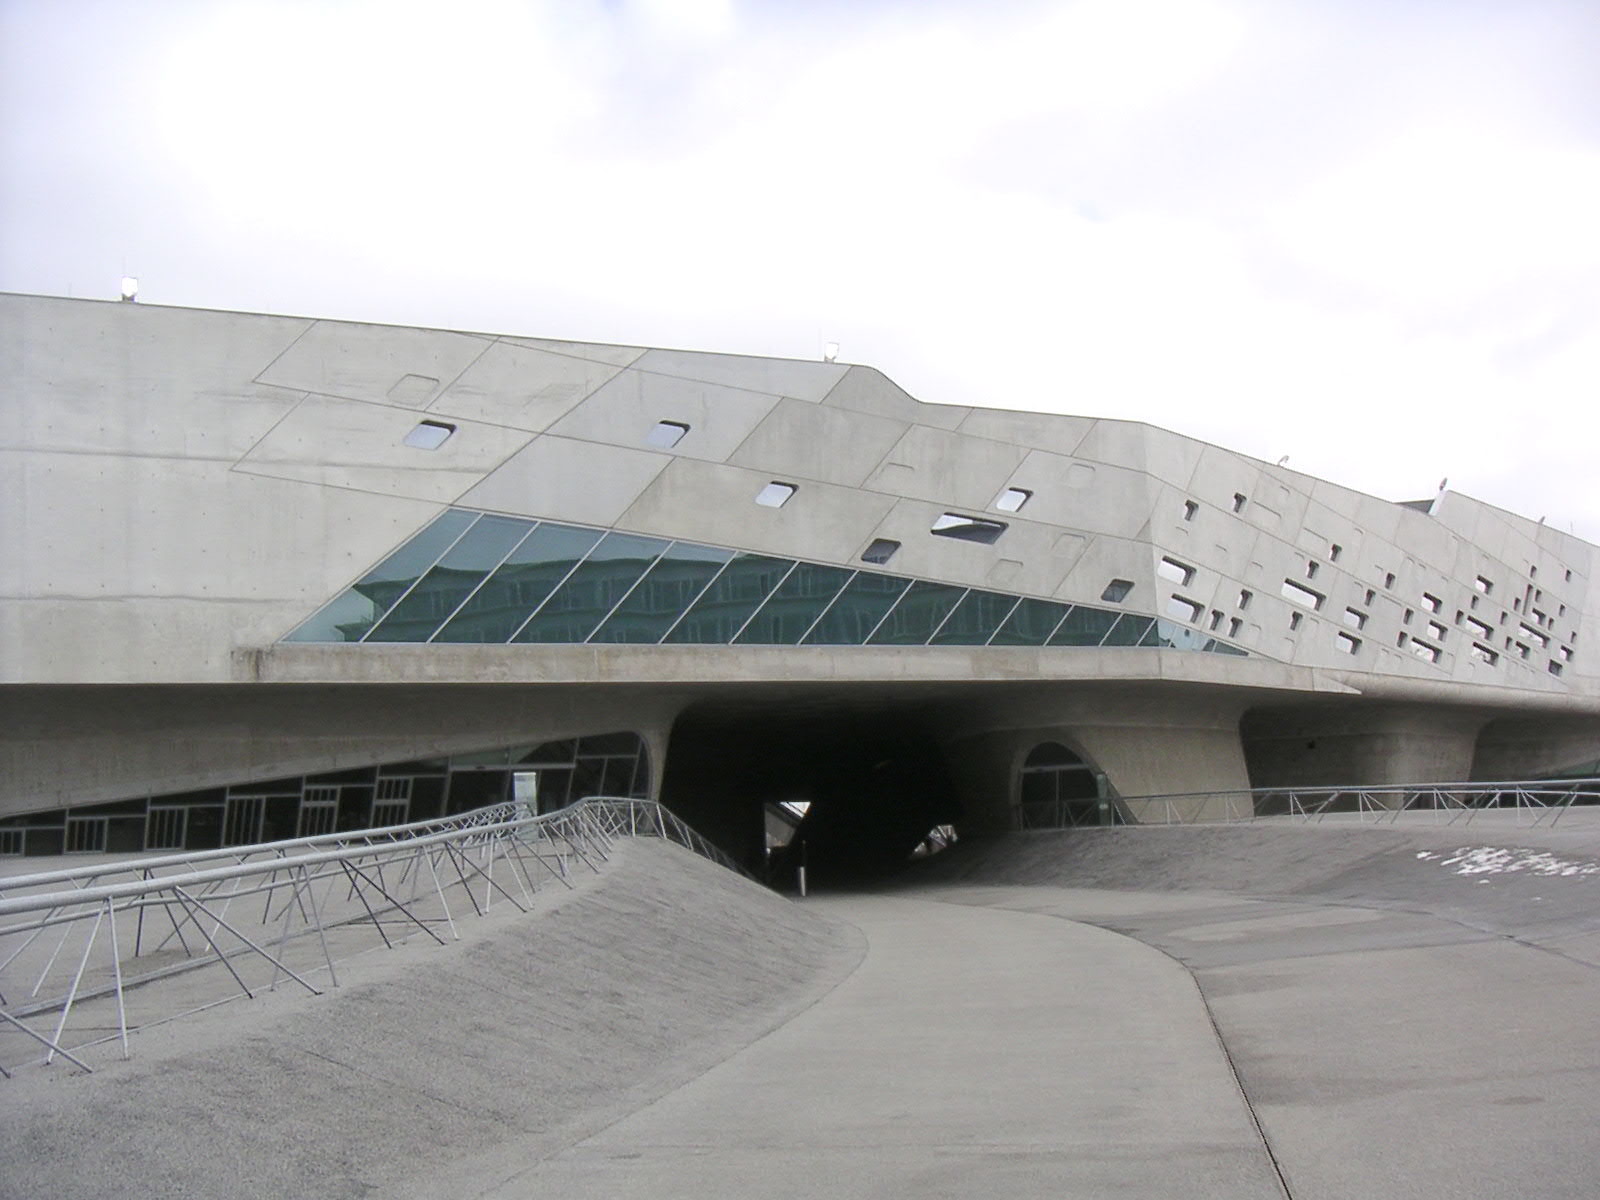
(519, 585)
(481, 578)
(975, 619)
(349, 616)
(919, 614)
(1030, 623)
(1084, 626)
(724, 607)
(450, 581)
(595, 587)
(857, 611)
(795, 605)
(1131, 630)
(662, 596)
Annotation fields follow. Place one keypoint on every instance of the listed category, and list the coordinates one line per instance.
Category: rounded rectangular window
(1012, 499)
(429, 435)
(967, 529)
(775, 494)
(666, 434)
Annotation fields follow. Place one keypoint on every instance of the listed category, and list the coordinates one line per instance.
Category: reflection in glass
(668, 588)
(592, 590)
(727, 604)
(1030, 623)
(975, 619)
(921, 609)
(856, 613)
(355, 612)
(450, 581)
(1084, 626)
(1130, 630)
(794, 606)
(519, 585)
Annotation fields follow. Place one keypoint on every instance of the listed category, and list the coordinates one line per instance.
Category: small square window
(1117, 590)
(1294, 620)
(1234, 625)
(1189, 510)
(1371, 595)
(666, 434)
(429, 435)
(1245, 596)
(1334, 551)
(1312, 568)
(1388, 581)
(880, 551)
(967, 529)
(1238, 501)
(1012, 499)
(775, 494)
(1216, 618)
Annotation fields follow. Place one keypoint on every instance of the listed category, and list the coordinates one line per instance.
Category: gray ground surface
(1235, 1012)
(533, 1031)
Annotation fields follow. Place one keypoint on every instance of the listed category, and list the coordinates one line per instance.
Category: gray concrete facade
(184, 488)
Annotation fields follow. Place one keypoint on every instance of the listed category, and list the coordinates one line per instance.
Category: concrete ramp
(535, 1030)
(1411, 1011)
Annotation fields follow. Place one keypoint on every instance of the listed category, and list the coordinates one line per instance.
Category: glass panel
(592, 590)
(350, 615)
(1084, 626)
(975, 619)
(450, 582)
(792, 609)
(1168, 633)
(857, 611)
(918, 614)
(519, 585)
(729, 601)
(1030, 623)
(1129, 631)
(667, 589)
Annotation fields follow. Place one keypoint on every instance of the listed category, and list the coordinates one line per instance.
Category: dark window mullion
(826, 608)
(960, 600)
(689, 607)
(1016, 603)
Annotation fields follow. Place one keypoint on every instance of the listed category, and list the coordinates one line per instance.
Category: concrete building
(268, 575)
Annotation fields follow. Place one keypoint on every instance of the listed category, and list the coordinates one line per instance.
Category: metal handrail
(1538, 800)
(311, 892)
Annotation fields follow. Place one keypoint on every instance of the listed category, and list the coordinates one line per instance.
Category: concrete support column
(1339, 745)
(1145, 741)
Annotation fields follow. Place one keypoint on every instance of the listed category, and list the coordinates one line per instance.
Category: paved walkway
(974, 1052)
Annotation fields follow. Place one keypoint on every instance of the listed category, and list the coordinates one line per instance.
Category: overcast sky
(1362, 233)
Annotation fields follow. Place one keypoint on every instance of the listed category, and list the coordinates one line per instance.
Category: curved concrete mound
(1410, 1010)
(534, 1032)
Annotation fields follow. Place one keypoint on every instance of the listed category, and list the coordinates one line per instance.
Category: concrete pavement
(973, 1052)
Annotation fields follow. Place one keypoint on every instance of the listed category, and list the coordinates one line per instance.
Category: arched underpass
(870, 770)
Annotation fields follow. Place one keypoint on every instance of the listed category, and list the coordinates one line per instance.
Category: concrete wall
(181, 488)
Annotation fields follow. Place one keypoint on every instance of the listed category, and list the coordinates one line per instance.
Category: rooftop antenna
(130, 288)
(1283, 460)
(830, 351)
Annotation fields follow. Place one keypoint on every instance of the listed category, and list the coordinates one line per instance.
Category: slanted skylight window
(1174, 571)
(880, 551)
(429, 435)
(775, 494)
(967, 529)
(666, 434)
(1301, 595)
(1012, 499)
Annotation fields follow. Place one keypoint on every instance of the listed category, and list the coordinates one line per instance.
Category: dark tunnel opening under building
(873, 781)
